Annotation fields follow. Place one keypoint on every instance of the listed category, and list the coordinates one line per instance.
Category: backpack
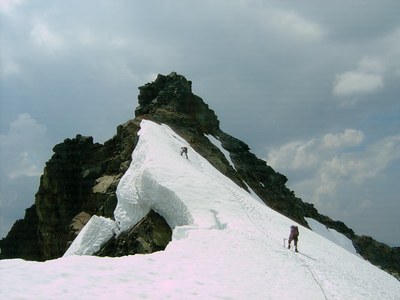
(295, 231)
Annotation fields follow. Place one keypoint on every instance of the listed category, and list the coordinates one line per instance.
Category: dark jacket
(294, 233)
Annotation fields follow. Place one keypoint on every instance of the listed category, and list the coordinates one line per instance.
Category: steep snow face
(147, 183)
(226, 244)
(95, 233)
(332, 235)
(217, 143)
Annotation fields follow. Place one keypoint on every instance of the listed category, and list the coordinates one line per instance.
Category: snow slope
(226, 244)
(332, 235)
(217, 143)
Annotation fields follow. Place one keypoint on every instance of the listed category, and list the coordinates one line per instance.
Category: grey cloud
(335, 171)
(24, 148)
(268, 69)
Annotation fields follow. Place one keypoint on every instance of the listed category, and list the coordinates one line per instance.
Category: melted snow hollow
(225, 244)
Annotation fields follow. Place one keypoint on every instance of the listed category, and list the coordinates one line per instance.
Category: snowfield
(226, 244)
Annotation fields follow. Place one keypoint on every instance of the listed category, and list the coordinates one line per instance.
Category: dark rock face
(64, 191)
(151, 234)
(172, 97)
(83, 177)
(22, 240)
(77, 224)
(379, 254)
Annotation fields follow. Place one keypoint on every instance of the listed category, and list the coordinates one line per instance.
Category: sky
(226, 244)
(312, 87)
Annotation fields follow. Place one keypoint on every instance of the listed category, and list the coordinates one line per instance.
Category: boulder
(78, 222)
(151, 234)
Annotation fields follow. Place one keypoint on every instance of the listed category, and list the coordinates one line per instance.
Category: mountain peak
(164, 89)
(170, 97)
(82, 177)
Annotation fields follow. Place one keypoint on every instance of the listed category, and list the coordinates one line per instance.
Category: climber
(294, 234)
(184, 150)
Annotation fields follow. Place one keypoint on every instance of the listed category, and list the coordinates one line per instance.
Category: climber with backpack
(294, 236)
(184, 150)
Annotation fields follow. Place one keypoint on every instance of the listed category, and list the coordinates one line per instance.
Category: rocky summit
(81, 178)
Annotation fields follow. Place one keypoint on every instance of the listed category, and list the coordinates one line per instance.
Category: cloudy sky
(313, 87)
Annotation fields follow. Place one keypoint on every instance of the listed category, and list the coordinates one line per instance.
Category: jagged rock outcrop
(22, 240)
(151, 234)
(379, 254)
(65, 189)
(77, 224)
(170, 99)
(82, 176)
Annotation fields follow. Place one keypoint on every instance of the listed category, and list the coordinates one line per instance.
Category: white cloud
(301, 155)
(371, 65)
(86, 37)
(349, 138)
(356, 82)
(296, 24)
(377, 157)
(354, 168)
(7, 5)
(23, 148)
(334, 160)
(294, 155)
(9, 67)
(26, 166)
(290, 23)
(389, 47)
(367, 78)
(44, 37)
(119, 42)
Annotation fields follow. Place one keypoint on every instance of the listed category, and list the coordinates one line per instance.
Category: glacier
(226, 244)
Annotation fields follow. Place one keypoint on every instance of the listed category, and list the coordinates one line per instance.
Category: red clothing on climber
(294, 236)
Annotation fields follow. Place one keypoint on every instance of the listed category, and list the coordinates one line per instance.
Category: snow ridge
(332, 235)
(217, 143)
(225, 244)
